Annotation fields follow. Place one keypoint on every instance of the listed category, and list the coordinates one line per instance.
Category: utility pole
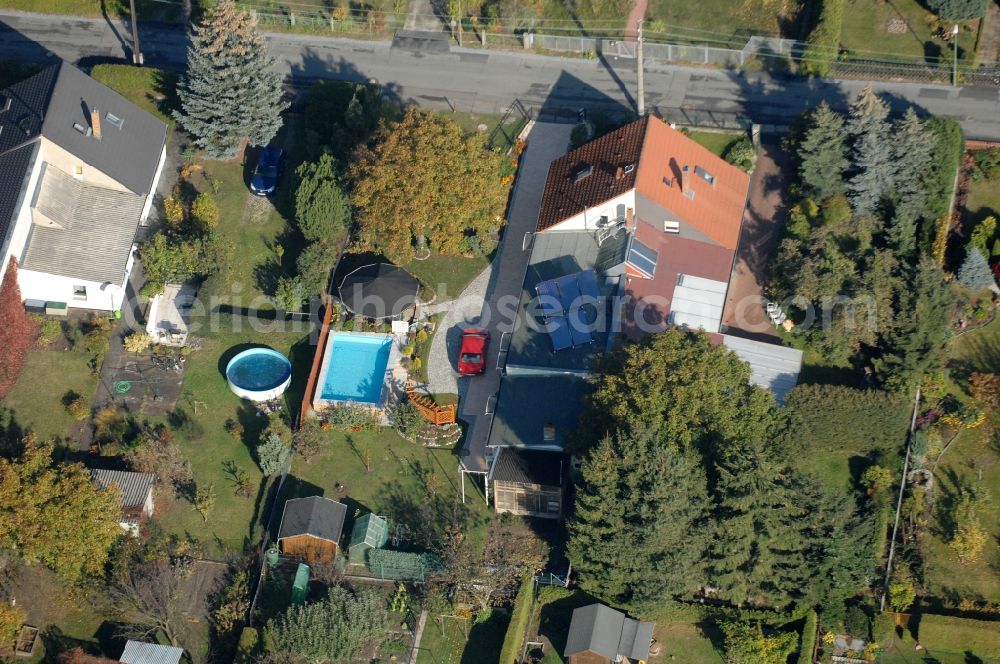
(641, 92)
(954, 67)
(136, 51)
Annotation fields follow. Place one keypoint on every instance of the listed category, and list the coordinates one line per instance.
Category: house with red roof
(637, 230)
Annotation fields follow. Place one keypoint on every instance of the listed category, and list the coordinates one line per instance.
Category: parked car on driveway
(472, 355)
(264, 181)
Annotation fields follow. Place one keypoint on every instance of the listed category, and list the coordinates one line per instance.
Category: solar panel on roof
(588, 285)
(579, 329)
(548, 298)
(569, 291)
(559, 332)
(642, 257)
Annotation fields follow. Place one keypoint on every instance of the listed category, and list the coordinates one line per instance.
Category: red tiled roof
(715, 209)
(660, 154)
(565, 197)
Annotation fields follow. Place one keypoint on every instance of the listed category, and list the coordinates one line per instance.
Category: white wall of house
(156, 180)
(587, 220)
(57, 288)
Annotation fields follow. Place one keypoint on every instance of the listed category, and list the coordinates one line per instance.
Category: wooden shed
(310, 528)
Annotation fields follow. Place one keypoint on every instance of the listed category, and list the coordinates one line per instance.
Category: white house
(79, 165)
(137, 495)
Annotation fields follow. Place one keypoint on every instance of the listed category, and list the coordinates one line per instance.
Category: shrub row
(808, 643)
(879, 420)
(979, 637)
(946, 156)
(510, 653)
(823, 43)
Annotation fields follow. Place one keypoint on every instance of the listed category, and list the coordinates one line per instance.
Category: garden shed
(370, 532)
(311, 528)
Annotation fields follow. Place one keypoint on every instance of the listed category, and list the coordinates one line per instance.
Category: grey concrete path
(460, 313)
(473, 80)
(421, 17)
(546, 142)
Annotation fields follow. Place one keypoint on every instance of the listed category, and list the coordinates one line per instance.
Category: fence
(676, 46)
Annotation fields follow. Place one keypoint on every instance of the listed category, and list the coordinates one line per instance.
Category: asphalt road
(490, 81)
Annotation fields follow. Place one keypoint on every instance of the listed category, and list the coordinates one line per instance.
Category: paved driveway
(767, 209)
(546, 142)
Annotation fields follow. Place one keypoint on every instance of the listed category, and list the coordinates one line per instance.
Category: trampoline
(379, 291)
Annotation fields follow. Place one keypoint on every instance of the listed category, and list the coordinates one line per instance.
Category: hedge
(510, 653)
(808, 642)
(946, 155)
(823, 44)
(980, 637)
(834, 417)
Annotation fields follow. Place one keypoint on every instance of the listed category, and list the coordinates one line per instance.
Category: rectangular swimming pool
(354, 368)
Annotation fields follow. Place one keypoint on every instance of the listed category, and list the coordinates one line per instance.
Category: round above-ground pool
(259, 374)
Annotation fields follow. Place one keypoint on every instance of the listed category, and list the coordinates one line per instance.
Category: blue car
(264, 181)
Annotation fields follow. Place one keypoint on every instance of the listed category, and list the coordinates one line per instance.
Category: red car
(472, 356)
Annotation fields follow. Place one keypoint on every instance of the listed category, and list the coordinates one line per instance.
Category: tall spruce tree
(912, 157)
(872, 153)
(639, 533)
(959, 10)
(761, 550)
(229, 94)
(915, 345)
(823, 154)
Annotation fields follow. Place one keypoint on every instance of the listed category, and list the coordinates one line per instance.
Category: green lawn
(482, 646)
(716, 142)
(447, 276)
(685, 641)
(866, 34)
(151, 89)
(983, 201)
(37, 398)
(721, 22)
(206, 443)
(903, 651)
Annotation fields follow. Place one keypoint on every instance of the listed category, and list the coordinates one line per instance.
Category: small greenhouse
(370, 532)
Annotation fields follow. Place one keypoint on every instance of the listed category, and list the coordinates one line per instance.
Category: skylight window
(642, 257)
(704, 175)
(583, 173)
(114, 120)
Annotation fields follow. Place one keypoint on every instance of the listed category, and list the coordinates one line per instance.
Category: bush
(205, 211)
(986, 164)
(272, 455)
(980, 637)
(17, 333)
(883, 629)
(322, 208)
(808, 642)
(823, 44)
(345, 418)
(49, 329)
(173, 211)
(408, 420)
(742, 154)
(247, 647)
(517, 630)
(78, 409)
(137, 342)
(856, 622)
(902, 594)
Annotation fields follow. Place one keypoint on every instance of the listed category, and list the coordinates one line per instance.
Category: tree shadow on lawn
(486, 639)
(555, 617)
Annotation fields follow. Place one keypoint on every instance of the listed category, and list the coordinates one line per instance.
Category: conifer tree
(230, 93)
(975, 272)
(915, 345)
(639, 529)
(872, 152)
(823, 154)
(912, 156)
(761, 546)
(959, 10)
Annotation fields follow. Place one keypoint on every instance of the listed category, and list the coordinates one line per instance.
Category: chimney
(95, 122)
(683, 179)
(619, 173)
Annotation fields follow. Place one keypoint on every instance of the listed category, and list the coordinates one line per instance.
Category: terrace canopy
(379, 291)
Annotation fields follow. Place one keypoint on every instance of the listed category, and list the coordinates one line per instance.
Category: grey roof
(137, 652)
(554, 254)
(14, 168)
(527, 404)
(29, 102)
(602, 630)
(315, 515)
(528, 467)
(134, 486)
(773, 366)
(93, 230)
